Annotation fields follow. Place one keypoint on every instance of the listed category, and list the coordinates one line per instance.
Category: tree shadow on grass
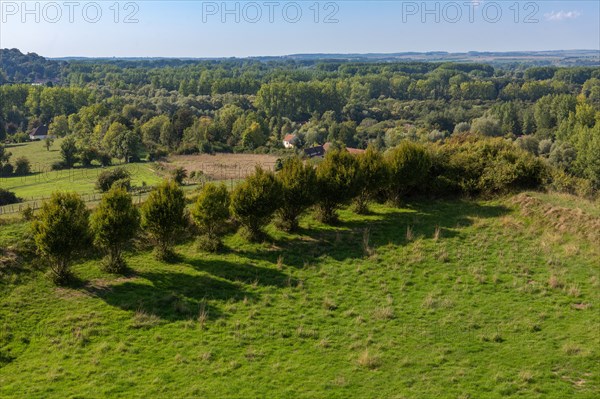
(170, 296)
(243, 272)
(347, 239)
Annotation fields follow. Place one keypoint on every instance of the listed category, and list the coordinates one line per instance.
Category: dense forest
(133, 109)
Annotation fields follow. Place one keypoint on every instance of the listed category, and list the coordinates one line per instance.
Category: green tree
(210, 212)
(120, 142)
(155, 128)
(114, 223)
(60, 232)
(163, 216)
(374, 175)
(298, 182)
(59, 127)
(337, 183)
(68, 152)
(254, 201)
(487, 126)
(22, 166)
(48, 141)
(408, 166)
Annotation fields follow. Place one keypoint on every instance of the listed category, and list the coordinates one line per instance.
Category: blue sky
(197, 29)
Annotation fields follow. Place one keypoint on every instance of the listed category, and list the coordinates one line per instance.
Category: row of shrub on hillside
(63, 226)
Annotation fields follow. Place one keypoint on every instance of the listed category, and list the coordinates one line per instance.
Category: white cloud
(561, 15)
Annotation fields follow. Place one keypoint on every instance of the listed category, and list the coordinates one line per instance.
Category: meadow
(448, 299)
(42, 181)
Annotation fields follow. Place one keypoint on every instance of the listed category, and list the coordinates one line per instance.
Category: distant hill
(16, 67)
(556, 58)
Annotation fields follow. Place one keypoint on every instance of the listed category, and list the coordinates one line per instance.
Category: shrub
(163, 216)
(462, 127)
(6, 170)
(179, 175)
(254, 201)
(8, 197)
(408, 165)
(113, 223)
(544, 147)
(58, 165)
(337, 183)
(373, 173)
(563, 182)
(491, 166)
(487, 126)
(562, 156)
(28, 213)
(107, 178)
(60, 232)
(22, 166)
(528, 143)
(210, 213)
(298, 183)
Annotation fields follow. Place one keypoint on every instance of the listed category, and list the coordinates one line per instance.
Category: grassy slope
(498, 306)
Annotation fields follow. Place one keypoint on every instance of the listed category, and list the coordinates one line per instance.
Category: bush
(6, 170)
(462, 127)
(210, 213)
(163, 216)
(60, 232)
(28, 213)
(408, 166)
(544, 147)
(298, 183)
(58, 165)
(487, 126)
(491, 166)
(337, 183)
(179, 175)
(8, 197)
(565, 183)
(254, 201)
(22, 166)
(562, 156)
(108, 178)
(113, 223)
(374, 176)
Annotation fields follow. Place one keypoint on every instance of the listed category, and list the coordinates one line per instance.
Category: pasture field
(34, 188)
(444, 299)
(44, 181)
(222, 166)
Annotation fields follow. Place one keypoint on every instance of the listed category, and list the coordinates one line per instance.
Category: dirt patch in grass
(221, 166)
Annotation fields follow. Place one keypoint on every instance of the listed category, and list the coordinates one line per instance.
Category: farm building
(39, 133)
(290, 140)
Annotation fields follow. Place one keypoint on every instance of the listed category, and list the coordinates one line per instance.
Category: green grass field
(448, 299)
(82, 180)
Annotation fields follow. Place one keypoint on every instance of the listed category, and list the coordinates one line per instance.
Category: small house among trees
(317, 151)
(290, 140)
(39, 133)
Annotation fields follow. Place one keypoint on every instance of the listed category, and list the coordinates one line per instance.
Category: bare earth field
(221, 166)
